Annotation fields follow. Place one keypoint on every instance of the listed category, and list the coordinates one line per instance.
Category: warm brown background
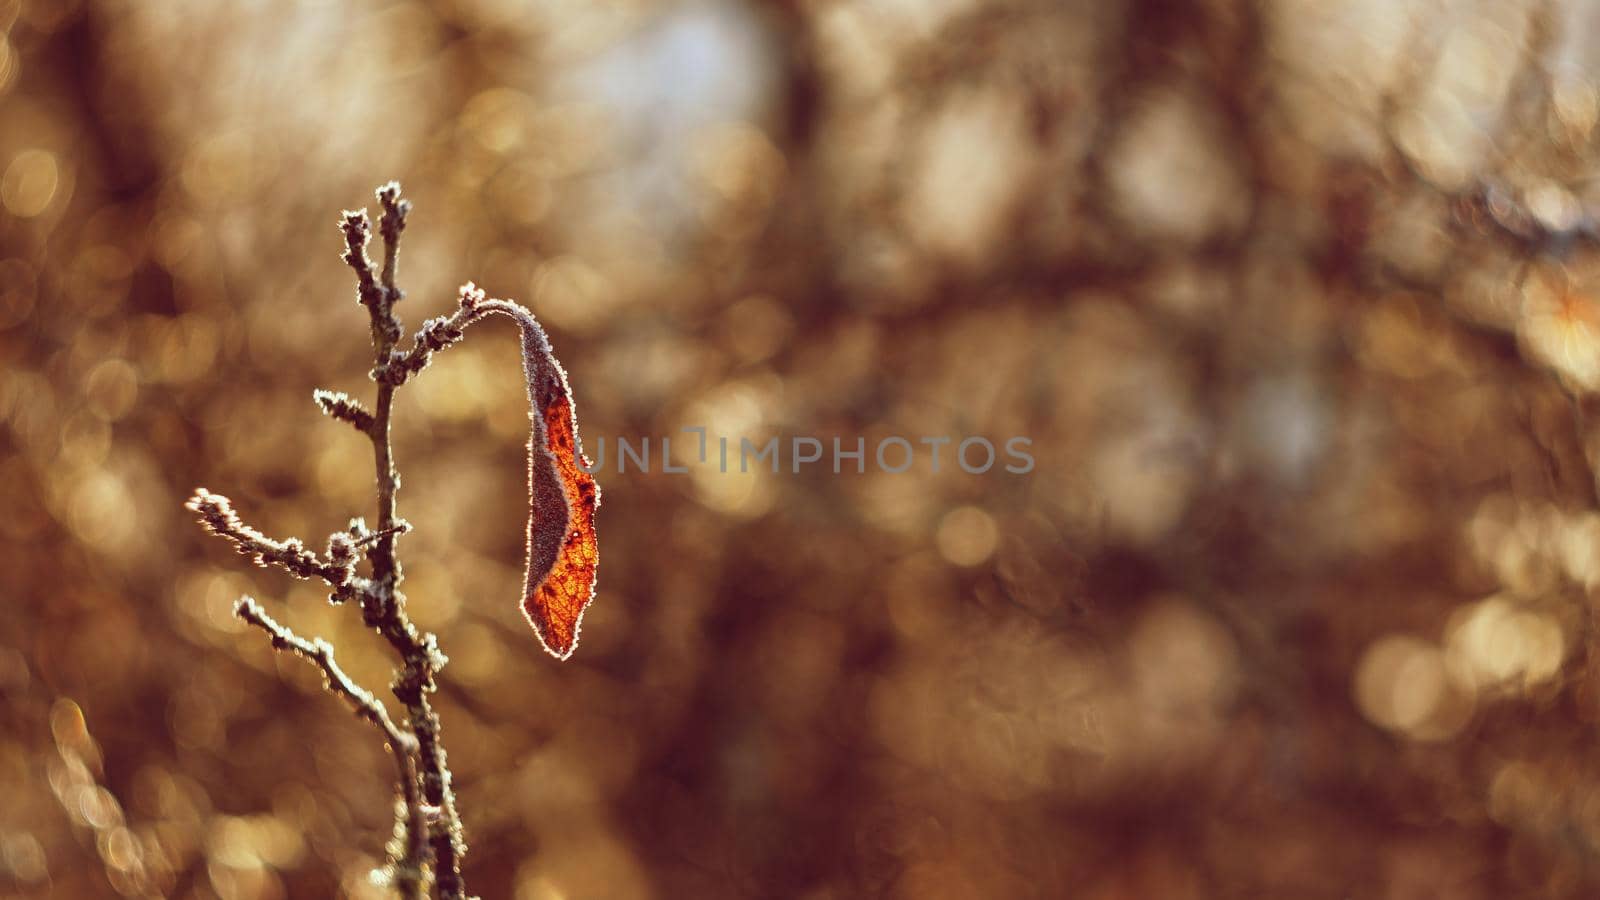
(1294, 298)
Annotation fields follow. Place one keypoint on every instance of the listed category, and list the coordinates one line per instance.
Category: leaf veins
(563, 547)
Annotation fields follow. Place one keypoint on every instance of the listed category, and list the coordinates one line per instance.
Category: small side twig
(395, 211)
(402, 746)
(345, 408)
(320, 653)
(436, 334)
(401, 526)
(444, 331)
(338, 569)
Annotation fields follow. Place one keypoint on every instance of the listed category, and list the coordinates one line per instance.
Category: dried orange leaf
(563, 548)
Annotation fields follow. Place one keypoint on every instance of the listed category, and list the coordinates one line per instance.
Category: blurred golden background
(1296, 301)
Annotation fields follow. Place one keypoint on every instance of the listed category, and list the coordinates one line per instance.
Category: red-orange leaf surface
(563, 548)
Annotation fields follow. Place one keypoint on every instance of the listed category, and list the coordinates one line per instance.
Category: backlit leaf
(563, 548)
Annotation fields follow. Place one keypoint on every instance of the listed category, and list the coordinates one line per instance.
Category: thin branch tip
(342, 406)
(217, 515)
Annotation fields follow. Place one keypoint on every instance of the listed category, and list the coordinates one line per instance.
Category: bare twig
(217, 515)
(345, 408)
(384, 606)
(427, 825)
(320, 653)
(402, 746)
(395, 211)
(400, 526)
(436, 334)
(444, 331)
